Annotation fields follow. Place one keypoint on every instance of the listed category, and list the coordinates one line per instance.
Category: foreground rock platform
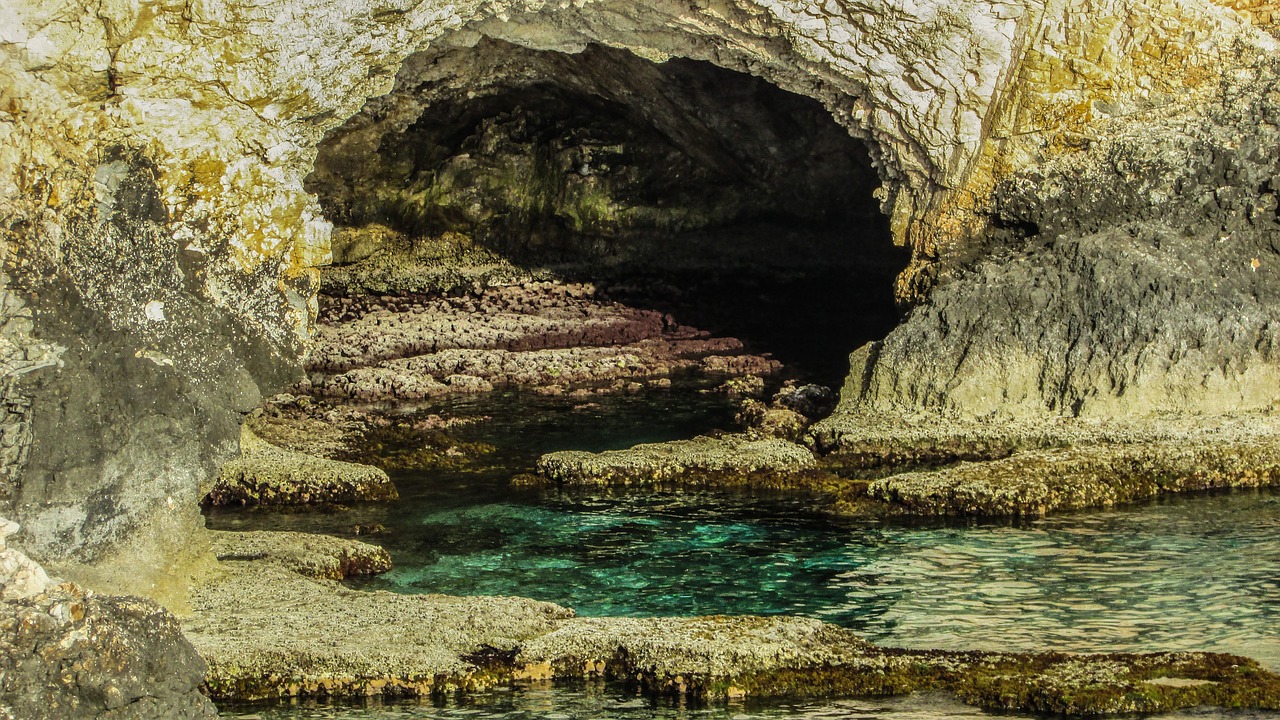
(268, 632)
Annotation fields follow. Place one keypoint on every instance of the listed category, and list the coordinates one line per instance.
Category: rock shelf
(268, 632)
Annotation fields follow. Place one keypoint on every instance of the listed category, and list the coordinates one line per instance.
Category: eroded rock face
(130, 659)
(67, 653)
(160, 246)
(597, 157)
(1137, 277)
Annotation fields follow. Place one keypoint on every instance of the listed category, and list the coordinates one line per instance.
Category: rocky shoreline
(939, 467)
(274, 621)
(1053, 230)
(271, 631)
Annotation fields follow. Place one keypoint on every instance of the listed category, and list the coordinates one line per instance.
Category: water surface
(1184, 573)
(602, 702)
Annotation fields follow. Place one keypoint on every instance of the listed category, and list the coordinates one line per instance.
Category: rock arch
(182, 132)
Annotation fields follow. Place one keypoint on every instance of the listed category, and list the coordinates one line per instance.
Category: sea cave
(639, 360)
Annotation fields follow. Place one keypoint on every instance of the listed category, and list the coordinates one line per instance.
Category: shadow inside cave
(734, 205)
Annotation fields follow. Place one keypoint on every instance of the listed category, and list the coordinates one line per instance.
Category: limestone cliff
(160, 247)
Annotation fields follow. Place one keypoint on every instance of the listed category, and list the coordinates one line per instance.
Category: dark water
(1186, 573)
(600, 702)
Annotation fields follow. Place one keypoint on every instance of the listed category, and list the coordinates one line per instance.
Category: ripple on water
(1187, 573)
(600, 703)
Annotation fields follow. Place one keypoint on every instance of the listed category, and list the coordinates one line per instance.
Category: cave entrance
(709, 194)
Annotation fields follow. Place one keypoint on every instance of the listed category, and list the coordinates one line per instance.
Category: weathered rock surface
(20, 576)
(267, 475)
(1035, 483)
(159, 243)
(1145, 282)
(550, 337)
(267, 632)
(704, 460)
(67, 653)
(160, 240)
(316, 556)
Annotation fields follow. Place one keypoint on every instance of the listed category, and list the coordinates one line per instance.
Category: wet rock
(342, 643)
(745, 386)
(267, 475)
(812, 401)
(703, 460)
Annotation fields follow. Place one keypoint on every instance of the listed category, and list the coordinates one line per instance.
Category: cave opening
(709, 194)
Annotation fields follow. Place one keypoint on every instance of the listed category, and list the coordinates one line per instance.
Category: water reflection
(601, 702)
(1186, 573)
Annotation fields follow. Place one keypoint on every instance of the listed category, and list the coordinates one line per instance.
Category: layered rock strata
(159, 240)
(265, 475)
(894, 467)
(548, 337)
(729, 459)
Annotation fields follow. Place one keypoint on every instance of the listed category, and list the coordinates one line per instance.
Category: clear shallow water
(1185, 573)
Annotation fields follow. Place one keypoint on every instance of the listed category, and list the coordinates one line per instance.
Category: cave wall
(599, 163)
(160, 247)
(1134, 279)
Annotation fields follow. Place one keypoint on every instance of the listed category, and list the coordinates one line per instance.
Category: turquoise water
(1186, 573)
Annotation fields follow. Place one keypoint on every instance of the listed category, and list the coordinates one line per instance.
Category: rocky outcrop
(316, 556)
(1088, 196)
(267, 632)
(727, 459)
(265, 475)
(67, 653)
(547, 337)
(159, 241)
(1144, 283)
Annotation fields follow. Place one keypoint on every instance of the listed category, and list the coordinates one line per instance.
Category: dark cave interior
(711, 194)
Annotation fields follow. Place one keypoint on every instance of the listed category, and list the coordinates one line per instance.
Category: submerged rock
(267, 475)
